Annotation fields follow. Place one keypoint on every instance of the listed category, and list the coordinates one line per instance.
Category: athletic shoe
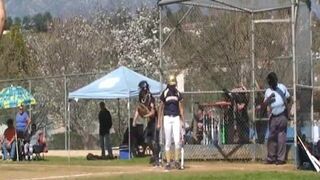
(280, 162)
(167, 167)
(177, 165)
(156, 164)
(269, 162)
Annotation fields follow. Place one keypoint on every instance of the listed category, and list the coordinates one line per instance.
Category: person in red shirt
(9, 141)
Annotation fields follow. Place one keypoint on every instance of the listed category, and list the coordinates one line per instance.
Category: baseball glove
(143, 110)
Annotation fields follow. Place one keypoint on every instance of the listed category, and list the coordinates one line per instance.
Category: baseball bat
(182, 148)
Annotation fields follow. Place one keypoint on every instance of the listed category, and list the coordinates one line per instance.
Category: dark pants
(277, 138)
(105, 143)
(152, 139)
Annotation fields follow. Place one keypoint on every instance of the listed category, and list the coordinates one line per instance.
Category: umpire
(277, 98)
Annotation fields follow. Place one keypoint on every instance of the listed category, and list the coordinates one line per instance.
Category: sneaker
(177, 165)
(269, 162)
(156, 164)
(167, 167)
(110, 157)
(280, 162)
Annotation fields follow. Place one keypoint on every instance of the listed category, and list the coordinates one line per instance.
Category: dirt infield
(39, 172)
(75, 153)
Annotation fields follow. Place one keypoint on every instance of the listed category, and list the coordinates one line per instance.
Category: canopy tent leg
(129, 130)
(68, 130)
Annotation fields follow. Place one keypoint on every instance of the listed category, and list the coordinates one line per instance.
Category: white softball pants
(171, 127)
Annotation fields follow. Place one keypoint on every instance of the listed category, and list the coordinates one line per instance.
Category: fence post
(65, 112)
(253, 84)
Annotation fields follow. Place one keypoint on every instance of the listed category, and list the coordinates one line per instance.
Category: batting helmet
(172, 80)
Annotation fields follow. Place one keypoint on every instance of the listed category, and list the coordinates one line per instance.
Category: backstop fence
(222, 51)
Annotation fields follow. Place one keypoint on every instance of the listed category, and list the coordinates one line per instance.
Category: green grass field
(138, 168)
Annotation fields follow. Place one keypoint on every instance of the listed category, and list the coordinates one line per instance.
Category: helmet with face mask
(143, 85)
(144, 91)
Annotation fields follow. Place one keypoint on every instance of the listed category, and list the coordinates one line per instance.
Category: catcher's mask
(144, 91)
(143, 85)
(272, 80)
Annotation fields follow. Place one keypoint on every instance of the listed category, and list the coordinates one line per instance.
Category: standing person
(277, 98)
(151, 134)
(2, 17)
(197, 126)
(105, 122)
(172, 110)
(22, 123)
(241, 114)
(9, 141)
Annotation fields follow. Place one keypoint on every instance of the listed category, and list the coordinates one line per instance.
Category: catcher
(146, 109)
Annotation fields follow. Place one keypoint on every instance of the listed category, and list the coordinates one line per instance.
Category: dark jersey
(171, 99)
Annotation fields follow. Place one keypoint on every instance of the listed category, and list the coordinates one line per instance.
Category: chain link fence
(224, 57)
(216, 49)
(51, 111)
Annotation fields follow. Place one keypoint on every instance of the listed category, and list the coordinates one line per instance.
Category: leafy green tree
(17, 21)
(26, 22)
(9, 23)
(14, 55)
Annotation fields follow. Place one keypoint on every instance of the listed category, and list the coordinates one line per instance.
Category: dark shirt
(171, 99)
(105, 121)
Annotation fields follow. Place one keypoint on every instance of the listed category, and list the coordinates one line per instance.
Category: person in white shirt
(278, 99)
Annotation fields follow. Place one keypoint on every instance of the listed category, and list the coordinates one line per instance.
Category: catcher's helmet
(172, 80)
(143, 85)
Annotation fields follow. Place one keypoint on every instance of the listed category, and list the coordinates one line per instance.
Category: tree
(14, 55)
(17, 21)
(100, 43)
(26, 23)
(9, 23)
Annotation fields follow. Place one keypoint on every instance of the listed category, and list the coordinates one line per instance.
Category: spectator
(197, 126)
(32, 141)
(22, 123)
(9, 143)
(105, 122)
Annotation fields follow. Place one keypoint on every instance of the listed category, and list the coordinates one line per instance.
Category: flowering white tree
(94, 44)
(137, 41)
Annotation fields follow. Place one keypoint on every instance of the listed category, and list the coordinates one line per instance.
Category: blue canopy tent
(121, 83)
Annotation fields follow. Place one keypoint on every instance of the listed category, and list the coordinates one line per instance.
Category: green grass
(188, 174)
(82, 161)
(223, 175)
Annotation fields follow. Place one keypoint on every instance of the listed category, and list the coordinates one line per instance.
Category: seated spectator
(35, 143)
(197, 126)
(9, 143)
(317, 150)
